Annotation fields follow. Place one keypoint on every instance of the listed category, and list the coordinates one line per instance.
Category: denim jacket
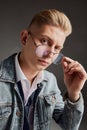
(49, 103)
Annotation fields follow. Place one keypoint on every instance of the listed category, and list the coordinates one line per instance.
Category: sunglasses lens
(41, 51)
(44, 51)
(58, 59)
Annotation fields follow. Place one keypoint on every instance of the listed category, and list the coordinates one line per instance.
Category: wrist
(74, 97)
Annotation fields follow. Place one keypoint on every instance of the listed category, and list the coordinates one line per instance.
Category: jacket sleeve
(67, 114)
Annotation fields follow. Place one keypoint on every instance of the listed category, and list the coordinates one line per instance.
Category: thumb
(64, 64)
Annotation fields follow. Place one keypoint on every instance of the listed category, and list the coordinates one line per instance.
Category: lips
(43, 62)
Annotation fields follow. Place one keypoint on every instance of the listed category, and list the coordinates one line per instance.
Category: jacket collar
(7, 69)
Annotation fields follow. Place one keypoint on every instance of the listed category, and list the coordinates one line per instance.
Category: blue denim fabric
(49, 103)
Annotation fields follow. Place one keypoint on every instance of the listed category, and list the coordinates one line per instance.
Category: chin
(40, 68)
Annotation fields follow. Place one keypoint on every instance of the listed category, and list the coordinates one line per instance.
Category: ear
(24, 36)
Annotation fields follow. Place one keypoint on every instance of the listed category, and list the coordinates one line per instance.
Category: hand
(74, 77)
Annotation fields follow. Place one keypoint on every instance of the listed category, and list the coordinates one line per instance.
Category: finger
(67, 63)
(72, 65)
(67, 59)
(78, 68)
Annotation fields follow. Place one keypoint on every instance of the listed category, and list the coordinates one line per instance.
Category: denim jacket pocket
(5, 110)
(51, 99)
(45, 108)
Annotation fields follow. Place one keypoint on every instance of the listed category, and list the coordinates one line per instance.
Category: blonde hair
(52, 17)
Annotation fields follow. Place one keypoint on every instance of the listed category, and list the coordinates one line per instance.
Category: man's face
(46, 34)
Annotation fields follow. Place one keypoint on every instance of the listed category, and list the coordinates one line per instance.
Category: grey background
(16, 15)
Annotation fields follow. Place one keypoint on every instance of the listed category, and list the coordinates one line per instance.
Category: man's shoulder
(48, 74)
(8, 59)
(7, 67)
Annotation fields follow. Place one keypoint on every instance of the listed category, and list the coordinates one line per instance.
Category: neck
(28, 71)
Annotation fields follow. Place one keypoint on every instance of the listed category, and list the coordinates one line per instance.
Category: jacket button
(18, 113)
(53, 98)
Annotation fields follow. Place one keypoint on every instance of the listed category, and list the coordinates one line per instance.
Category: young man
(29, 95)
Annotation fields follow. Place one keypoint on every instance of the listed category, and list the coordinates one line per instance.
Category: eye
(44, 41)
(57, 48)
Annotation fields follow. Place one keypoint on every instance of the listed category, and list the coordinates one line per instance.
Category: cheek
(30, 50)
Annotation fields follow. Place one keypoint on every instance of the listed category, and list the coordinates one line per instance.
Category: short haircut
(52, 17)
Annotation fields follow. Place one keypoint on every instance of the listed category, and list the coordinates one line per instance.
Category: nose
(48, 53)
(51, 51)
(44, 51)
(51, 48)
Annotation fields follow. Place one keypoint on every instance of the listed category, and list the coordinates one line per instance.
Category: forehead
(56, 34)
